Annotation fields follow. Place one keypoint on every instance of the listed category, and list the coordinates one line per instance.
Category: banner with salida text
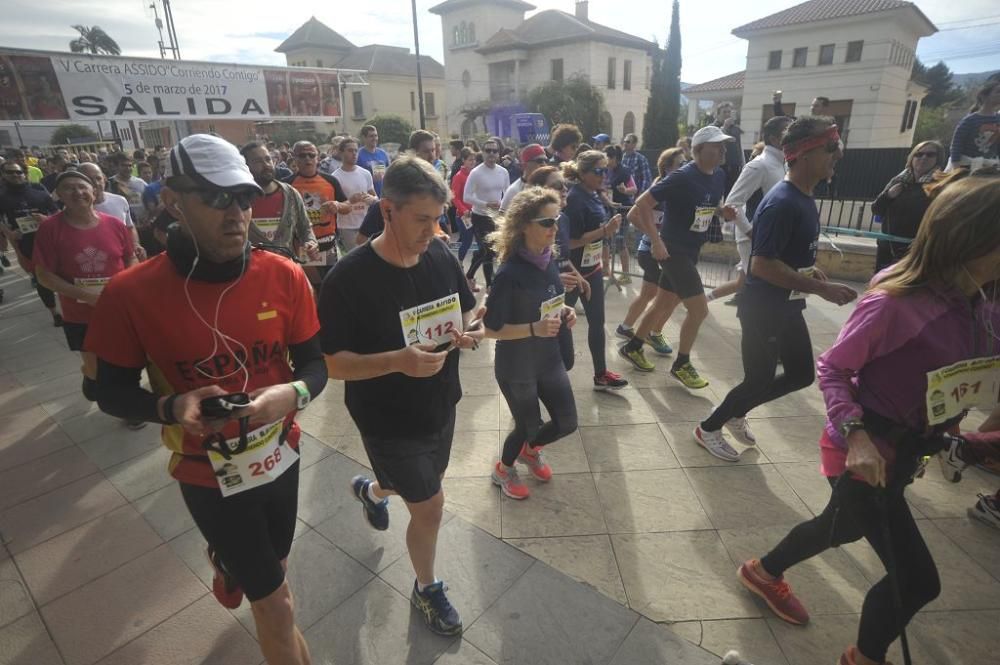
(47, 86)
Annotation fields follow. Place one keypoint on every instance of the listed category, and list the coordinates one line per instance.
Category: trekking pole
(882, 501)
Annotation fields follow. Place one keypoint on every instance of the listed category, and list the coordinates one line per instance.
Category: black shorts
(650, 268)
(680, 275)
(411, 467)
(251, 531)
(75, 334)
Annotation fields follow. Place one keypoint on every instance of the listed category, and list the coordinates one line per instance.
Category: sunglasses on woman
(546, 222)
(221, 199)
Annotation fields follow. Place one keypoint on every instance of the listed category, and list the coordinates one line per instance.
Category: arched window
(468, 128)
(466, 79)
(628, 127)
(463, 33)
(455, 36)
(472, 33)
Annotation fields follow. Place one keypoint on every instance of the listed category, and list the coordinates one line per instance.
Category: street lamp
(416, 47)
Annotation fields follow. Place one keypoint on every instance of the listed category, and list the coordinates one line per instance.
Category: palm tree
(93, 40)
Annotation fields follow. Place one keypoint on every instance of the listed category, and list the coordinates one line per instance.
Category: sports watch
(302, 394)
(849, 426)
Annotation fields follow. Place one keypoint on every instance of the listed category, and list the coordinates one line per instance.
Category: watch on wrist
(302, 396)
(849, 426)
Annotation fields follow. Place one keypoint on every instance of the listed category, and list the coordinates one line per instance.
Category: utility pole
(416, 47)
(171, 30)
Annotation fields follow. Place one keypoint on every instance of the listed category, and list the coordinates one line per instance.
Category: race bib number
(264, 460)
(432, 322)
(798, 295)
(268, 227)
(552, 308)
(93, 284)
(965, 385)
(592, 254)
(27, 224)
(702, 219)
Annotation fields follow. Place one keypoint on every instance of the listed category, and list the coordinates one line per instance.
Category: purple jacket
(886, 348)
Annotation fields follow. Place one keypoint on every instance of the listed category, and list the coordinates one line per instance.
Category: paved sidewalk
(627, 557)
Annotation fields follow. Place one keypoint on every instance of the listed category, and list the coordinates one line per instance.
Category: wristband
(850, 426)
(168, 410)
(531, 328)
(302, 396)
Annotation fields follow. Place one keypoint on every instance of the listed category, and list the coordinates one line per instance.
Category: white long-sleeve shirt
(762, 172)
(512, 191)
(486, 185)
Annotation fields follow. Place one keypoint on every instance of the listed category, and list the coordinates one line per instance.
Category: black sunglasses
(12, 172)
(221, 199)
(833, 146)
(490, 150)
(600, 170)
(546, 222)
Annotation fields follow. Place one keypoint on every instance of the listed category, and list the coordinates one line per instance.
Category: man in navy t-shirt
(691, 198)
(782, 273)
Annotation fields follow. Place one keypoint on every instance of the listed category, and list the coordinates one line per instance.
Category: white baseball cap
(710, 134)
(210, 161)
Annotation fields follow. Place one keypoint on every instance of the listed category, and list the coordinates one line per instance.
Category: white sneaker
(987, 510)
(716, 444)
(740, 429)
(951, 463)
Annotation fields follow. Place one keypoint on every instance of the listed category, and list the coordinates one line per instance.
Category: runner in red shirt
(76, 252)
(226, 320)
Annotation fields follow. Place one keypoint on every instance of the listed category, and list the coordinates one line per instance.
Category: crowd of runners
(242, 280)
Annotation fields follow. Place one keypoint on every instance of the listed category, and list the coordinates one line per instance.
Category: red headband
(799, 148)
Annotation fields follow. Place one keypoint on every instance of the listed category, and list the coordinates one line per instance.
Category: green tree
(391, 129)
(93, 40)
(933, 124)
(573, 101)
(64, 133)
(942, 89)
(663, 108)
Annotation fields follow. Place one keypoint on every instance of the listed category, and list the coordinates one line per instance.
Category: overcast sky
(248, 31)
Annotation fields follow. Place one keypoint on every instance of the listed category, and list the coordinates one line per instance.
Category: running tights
(855, 512)
(553, 389)
(767, 336)
(594, 307)
(482, 226)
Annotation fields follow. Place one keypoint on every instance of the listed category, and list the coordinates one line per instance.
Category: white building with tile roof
(858, 53)
(494, 57)
(391, 74)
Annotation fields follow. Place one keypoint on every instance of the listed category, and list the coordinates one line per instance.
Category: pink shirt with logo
(84, 257)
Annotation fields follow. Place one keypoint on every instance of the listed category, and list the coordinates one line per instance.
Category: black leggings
(767, 336)
(594, 307)
(553, 389)
(855, 512)
(482, 226)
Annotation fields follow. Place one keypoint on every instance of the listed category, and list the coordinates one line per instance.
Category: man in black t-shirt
(691, 198)
(393, 313)
(782, 273)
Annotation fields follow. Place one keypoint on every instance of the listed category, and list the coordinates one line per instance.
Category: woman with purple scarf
(919, 351)
(525, 311)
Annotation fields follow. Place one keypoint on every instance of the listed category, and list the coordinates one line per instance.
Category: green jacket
(294, 229)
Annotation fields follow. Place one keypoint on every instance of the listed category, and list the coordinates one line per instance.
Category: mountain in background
(972, 80)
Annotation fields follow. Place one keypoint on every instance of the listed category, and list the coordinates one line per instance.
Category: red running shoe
(226, 589)
(776, 593)
(532, 458)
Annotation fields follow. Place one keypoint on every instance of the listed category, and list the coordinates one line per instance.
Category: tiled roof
(449, 5)
(553, 26)
(823, 10)
(314, 33)
(390, 61)
(728, 82)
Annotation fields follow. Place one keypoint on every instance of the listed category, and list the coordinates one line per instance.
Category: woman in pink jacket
(916, 354)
